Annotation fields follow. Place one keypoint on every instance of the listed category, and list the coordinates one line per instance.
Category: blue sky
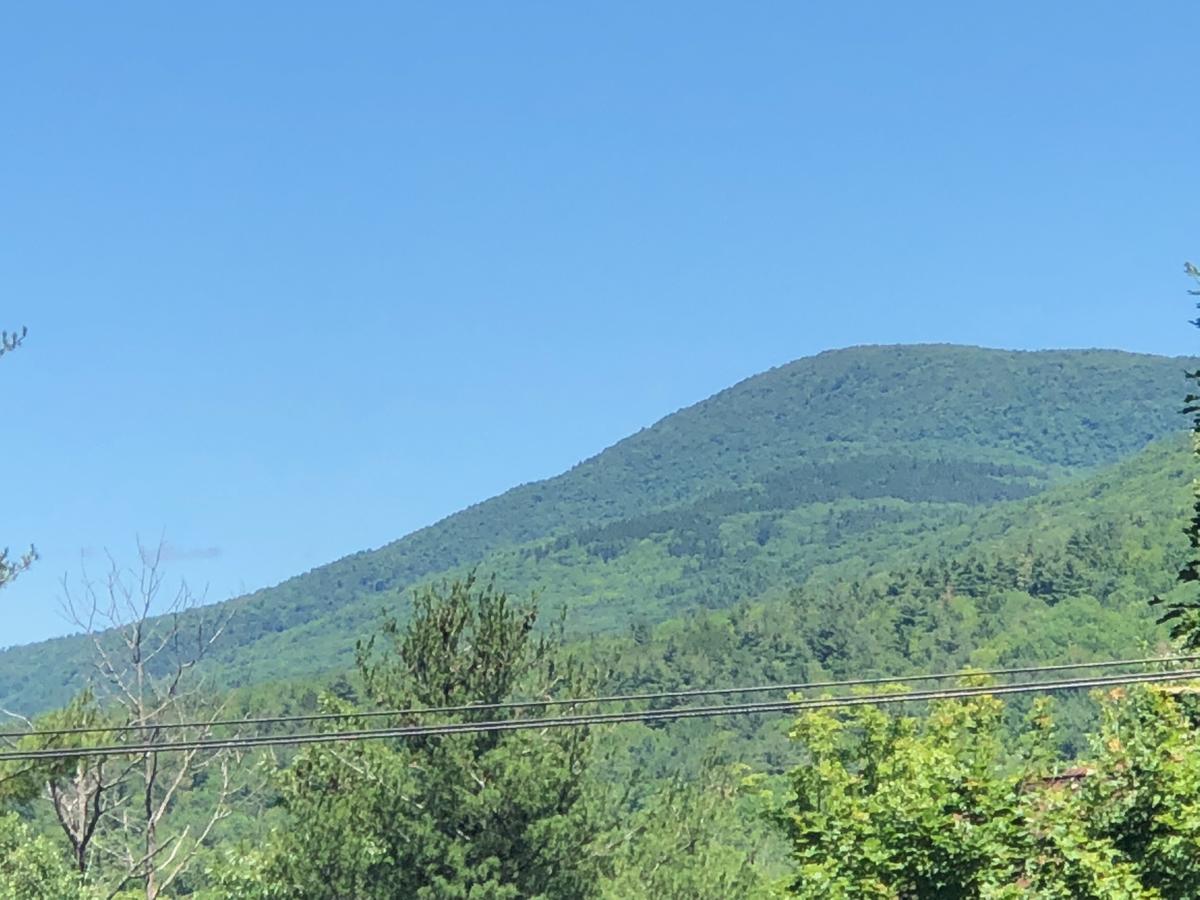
(301, 277)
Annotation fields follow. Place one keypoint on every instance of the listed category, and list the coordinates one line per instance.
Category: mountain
(851, 458)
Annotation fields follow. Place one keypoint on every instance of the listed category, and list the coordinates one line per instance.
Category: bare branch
(147, 649)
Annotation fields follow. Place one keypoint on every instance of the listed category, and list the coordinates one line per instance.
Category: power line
(585, 701)
(587, 720)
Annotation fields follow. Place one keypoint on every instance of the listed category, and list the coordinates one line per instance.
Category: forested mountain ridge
(1055, 410)
(851, 455)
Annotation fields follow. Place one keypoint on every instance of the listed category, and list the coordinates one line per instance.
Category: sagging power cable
(549, 703)
(588, 720)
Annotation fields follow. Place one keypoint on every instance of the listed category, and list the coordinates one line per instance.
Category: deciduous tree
(119, 814)
(946, 805)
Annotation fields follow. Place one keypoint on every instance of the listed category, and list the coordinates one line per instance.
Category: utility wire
(586, 720)
(584, 701)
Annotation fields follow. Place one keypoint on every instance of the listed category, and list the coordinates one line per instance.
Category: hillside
(849, 458)
(1063, 576)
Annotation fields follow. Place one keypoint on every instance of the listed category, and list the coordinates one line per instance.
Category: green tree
(694, 838)
(31, 867)
(948, 806)
(486, 815)
(1184, 613)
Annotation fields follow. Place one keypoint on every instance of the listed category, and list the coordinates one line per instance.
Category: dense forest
(863, 514)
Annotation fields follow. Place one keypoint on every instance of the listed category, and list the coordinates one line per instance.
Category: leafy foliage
(891, 805)
(31, 866)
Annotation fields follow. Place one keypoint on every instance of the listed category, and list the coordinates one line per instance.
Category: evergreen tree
(1184, 614)
(483, 815)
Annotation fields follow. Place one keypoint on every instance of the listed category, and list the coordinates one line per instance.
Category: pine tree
(1184, 614)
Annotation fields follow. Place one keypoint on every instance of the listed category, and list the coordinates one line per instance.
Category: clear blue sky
(303, 277)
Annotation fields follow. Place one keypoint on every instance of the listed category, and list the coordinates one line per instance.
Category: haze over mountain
(848, 457)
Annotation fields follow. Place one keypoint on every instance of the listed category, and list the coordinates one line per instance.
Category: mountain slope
(1050, 411)
(852, 455)
(1061, 577)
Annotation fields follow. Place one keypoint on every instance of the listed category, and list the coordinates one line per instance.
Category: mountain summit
(849, 454)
